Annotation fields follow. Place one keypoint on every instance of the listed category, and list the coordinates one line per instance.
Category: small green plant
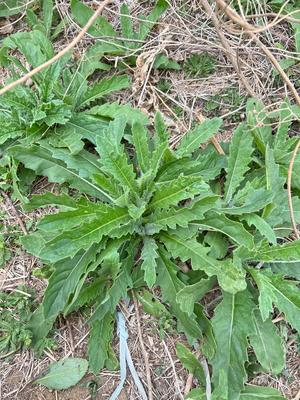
(55, 102)
(199, 65)
(57, 105)
(150, 215)
(164, 85)
(16, 310)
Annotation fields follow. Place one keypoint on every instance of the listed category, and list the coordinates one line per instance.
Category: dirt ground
(184, 30)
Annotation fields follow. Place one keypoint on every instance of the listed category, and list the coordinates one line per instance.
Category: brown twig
(289, 189)
(233, 15)
(60, 54)
(223, 40)
(144, 351)
(15, 211)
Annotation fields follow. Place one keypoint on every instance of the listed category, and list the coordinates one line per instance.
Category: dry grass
(185, 30)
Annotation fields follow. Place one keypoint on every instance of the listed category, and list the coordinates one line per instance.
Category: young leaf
(196, 394)
(283, 293)
(84, 163)
(274, 183)
(35, 46)
(165, 63)
(192, 140)
(104, 87)
(64, 373)
(46, 199)
(267, 344)
(232, 326)
(39, 326)
(285, 121)
(218, 244)
(108, 185)
(86, 294)
(149, 264)
(140, 140)
(152, 305)
(81, 126)
(127, 25)
(161, 133)
(12, 7)
(239, 159)
(171, 193)
(118, 288)
(181, 216)
(289, 269)
(110, 140)
(117, 165)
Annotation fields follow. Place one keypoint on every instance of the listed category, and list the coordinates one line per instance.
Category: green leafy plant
(157, 209)
(57, 106)
(55, 103)
(199, 65)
